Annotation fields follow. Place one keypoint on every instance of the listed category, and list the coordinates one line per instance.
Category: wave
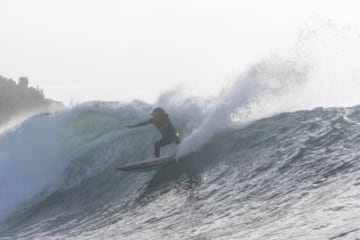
(287, 162)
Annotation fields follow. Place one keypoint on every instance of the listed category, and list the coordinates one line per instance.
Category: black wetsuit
(167, 130)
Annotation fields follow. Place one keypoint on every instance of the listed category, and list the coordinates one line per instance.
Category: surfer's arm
(141, 123)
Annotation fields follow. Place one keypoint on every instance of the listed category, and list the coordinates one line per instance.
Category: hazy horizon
(121, 50)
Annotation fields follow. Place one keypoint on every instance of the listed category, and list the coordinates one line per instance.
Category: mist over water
(259, 152)
(322, 71)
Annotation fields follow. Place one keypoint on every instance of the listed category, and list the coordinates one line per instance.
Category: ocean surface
(292, 175)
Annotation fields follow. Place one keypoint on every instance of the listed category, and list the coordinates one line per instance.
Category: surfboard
(148, 165)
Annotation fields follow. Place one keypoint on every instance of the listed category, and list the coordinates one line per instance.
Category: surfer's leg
(157, 149)
(160, 143)
(177, 139)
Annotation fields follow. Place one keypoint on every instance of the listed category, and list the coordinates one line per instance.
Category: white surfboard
(148, 165)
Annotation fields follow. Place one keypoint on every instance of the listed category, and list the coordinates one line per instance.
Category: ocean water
(290, 176)
(274, 156)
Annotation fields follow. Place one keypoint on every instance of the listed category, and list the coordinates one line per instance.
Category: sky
(118, 50)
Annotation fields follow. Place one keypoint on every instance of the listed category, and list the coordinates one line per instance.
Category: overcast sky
(126, 49)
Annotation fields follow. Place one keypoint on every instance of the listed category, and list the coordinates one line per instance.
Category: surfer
(162, 122)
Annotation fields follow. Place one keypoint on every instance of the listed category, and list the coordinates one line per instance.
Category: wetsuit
(163, 124)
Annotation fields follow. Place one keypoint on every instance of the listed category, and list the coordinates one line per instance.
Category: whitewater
(274, 156)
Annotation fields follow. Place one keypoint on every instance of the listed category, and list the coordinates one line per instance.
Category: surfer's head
(157, 111)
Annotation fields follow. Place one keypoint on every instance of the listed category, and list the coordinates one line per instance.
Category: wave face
(289, 176)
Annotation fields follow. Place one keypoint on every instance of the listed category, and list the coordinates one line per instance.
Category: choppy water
(290, 176)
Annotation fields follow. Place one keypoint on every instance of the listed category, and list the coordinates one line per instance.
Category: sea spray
(248, 98)
(32, 161)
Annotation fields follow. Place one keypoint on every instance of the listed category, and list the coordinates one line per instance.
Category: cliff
(20, 100)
